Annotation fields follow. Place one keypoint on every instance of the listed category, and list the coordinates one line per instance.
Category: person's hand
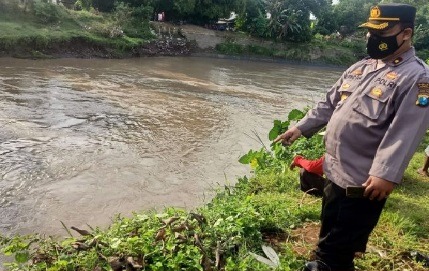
(377, 188)
(289, 136)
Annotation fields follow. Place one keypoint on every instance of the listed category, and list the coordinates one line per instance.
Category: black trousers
(311, 183)
(346, 226)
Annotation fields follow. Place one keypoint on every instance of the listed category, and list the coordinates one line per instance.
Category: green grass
(230, 226)
(25, 32)
(313, 52)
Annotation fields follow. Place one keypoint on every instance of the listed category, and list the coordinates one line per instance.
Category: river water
(84, 139)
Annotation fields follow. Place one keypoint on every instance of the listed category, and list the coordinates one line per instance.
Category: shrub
(230, 48)
(46, 12)
(83, 5)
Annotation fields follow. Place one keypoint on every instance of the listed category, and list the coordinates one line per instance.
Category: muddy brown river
(83, 140)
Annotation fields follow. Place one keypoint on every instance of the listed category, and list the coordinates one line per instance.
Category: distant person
(375, 116)
(424, 170)
(310, 175)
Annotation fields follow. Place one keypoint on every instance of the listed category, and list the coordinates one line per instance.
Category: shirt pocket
(346, 90)
(372, 104)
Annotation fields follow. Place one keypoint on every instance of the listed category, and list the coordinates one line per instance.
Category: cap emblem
(375, 12)
(383, 46)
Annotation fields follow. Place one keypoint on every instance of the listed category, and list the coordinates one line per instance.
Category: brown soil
(304, 241)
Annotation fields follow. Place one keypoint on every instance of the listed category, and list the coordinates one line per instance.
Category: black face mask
(380, 47)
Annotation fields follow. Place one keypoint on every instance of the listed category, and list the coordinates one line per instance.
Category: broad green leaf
(275, 131)
(295, 114)
(244, 159)
(22, 257)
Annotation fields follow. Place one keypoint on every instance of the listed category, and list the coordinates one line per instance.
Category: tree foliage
(349, 14)
(104, 5)
(281, 20)
(287, 20)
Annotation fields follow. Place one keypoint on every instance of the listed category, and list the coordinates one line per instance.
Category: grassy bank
(58, 31)
(228, 233)
(44, 31)
(317, 51)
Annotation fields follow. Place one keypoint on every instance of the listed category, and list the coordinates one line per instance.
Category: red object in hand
(313, 166)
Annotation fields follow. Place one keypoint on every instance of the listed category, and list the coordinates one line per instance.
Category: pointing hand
(289, 136)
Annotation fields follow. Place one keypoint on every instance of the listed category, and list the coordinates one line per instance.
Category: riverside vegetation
(40, 29)
(258, 223)
(46, 31)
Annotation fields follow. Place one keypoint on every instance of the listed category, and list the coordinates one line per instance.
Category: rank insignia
(345, 86)
(344, 96)
(397, 61)
(423, 96)
(391, 75)
(377, 92)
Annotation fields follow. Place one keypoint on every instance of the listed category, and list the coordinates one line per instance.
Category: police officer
(375, 116)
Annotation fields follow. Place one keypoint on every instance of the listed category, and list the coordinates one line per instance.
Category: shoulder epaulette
(424, 65)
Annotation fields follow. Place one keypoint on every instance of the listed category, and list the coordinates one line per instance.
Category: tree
(351, 13)
(327, 22)
(211, 10)
(103, 5)
(182, 9)
(290, 19)
(252, 18)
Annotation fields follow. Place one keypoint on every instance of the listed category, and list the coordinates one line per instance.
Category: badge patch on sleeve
(423, 96)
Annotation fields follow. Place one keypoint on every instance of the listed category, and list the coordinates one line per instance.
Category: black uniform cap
(384, 16)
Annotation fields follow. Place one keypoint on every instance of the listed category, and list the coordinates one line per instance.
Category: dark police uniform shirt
(374, 121)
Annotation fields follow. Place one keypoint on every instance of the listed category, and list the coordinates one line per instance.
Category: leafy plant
(279, 156)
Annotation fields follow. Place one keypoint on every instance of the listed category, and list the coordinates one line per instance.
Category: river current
(84, 139)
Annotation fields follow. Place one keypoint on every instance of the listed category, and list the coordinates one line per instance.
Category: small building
(226, 24)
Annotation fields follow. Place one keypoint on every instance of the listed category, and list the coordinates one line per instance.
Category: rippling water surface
(82, 140)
